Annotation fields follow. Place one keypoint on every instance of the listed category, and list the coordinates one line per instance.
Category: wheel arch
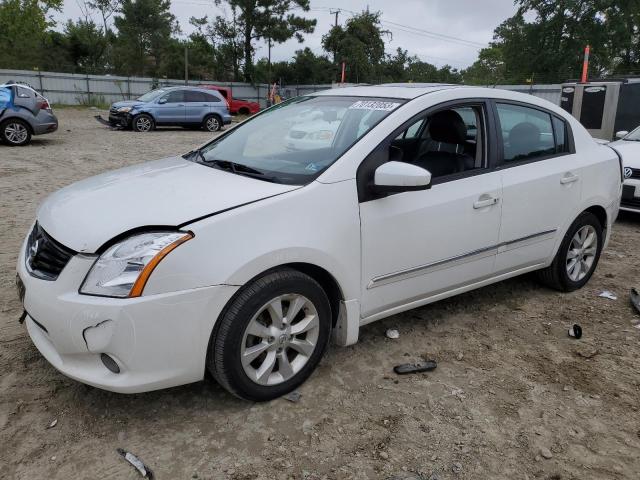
(600, 212)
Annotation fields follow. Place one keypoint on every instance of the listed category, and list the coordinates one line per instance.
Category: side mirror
(393, 177)
(162, 101)
(621, 134)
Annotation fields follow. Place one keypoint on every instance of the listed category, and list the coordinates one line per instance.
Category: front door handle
(569, 178)
(485, 201)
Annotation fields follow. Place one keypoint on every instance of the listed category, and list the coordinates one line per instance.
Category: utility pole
(336, 13)
(186, 65)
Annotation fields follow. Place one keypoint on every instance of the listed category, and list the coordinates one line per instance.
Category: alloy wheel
(16, 133)
(213, 124)
(143, 124)
(582, 253)
(280, 339)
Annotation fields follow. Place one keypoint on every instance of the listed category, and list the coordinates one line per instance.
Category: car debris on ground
(293, 397)
(608, 294)
(53, 423)
(136, 462)
(393, 334)
(575, 331)
(407, 368)
(635, 299)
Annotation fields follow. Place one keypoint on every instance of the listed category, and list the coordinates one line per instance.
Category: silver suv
(23, 113)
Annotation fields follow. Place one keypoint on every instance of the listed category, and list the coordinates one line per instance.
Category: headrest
(447, 126)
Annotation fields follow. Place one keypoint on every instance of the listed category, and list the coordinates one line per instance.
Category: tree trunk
(248, 60)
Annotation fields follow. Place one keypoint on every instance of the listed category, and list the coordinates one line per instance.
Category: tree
(106, 8)
(270, 20)
(144, 29)
(24, 26)
(360, 43)
(488, 70)
(86, 44)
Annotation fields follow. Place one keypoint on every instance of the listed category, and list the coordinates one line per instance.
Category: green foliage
(271, 20)
(145, 29)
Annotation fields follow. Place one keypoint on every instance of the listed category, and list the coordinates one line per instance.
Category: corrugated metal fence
(78, 89)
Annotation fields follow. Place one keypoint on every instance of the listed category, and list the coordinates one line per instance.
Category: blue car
(181, 106)
(23, 113)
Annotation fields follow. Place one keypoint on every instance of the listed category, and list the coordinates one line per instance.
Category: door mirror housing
(621, 134)
(394, 177)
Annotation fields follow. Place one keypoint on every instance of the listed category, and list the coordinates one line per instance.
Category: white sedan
(628, 146)
(244, 258)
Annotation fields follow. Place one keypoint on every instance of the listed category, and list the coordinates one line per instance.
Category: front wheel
(577, 256)
(143, 123)
(271, 337)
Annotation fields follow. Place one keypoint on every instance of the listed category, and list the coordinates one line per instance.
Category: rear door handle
(485, 201)
(569, 178)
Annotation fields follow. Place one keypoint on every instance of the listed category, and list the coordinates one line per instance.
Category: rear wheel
(212, 123)
(577, 256)
(15, 132)
(143, 123)
(271, 337)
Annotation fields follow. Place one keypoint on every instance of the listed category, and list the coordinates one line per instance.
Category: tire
(559, 275)
(143, 123)
(15, 132)
(212, 123)
(247, 327)
(244, 111)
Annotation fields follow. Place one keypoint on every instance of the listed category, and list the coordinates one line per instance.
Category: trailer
(604, 107)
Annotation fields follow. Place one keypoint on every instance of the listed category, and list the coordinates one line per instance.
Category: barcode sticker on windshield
(374, 105)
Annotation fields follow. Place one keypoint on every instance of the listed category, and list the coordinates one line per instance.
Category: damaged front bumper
(157, 341)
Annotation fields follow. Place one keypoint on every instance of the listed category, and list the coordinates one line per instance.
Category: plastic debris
(575, 331)
(608, 294)
(136, 462)
(406, 368)
(393, 333)
(293, 397)
(635, 299)
(53, 424)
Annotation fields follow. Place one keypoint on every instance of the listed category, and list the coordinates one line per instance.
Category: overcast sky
(469, 22)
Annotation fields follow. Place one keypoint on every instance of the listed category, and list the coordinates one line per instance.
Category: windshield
(634, 136)
(295, 141)
(147, 97)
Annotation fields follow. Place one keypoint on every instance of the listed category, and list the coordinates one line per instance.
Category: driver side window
(445, 142)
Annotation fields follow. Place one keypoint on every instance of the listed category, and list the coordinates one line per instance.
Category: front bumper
(158, 341)
(119, 119)
(630, 201)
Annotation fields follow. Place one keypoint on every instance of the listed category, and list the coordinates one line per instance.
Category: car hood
(629, 151)
(126, 103)
(165, 193)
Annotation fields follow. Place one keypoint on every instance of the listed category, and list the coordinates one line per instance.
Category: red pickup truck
(236, 105)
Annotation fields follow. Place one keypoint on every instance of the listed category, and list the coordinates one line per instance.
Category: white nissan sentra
(244, 257)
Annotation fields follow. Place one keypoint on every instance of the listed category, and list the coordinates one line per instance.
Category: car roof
(389, 90)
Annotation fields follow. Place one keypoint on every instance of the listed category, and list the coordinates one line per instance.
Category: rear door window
(192, 96)
(527, 133)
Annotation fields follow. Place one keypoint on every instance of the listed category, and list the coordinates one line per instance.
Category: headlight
(124, 109)
(320, 135)
(123, 270)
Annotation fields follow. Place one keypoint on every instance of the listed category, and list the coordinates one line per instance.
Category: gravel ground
(512, 398)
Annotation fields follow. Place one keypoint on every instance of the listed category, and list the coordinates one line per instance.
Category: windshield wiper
(239, 169)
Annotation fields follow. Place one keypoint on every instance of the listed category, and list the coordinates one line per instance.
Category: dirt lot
(512, 398)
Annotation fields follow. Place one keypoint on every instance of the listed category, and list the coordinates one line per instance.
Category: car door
(196, 106)
(540, 180)
(170, 109)
(420, 244)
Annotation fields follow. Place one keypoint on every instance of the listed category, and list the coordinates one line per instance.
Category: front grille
(44, 256)
(630, 203)
(635, 173)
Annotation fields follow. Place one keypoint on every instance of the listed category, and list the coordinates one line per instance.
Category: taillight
(43, 103)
